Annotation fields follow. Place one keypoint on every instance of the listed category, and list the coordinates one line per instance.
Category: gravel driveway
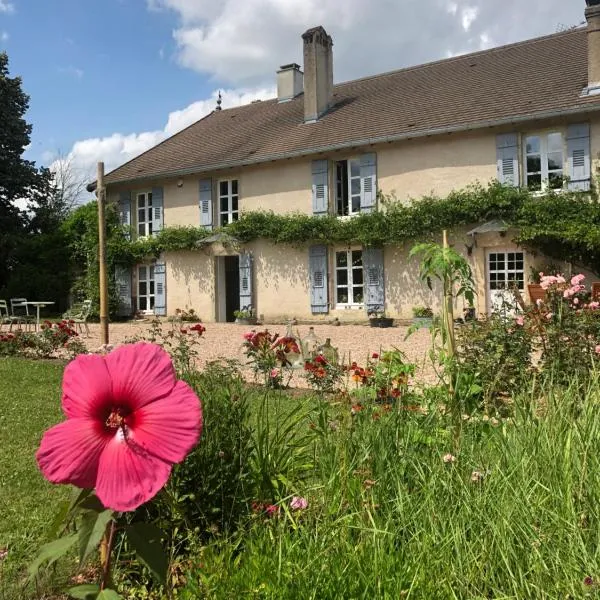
(354, 342)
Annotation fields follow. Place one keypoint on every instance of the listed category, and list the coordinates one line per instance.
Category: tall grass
(515, 516)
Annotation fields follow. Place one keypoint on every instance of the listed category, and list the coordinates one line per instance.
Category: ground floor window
(506, 270)
(349, 278)
(146, 287)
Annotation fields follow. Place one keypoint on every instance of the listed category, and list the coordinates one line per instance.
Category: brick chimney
(318, 73)
(289, 82)
(592, 15)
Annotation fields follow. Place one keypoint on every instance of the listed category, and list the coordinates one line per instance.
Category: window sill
(349, 307)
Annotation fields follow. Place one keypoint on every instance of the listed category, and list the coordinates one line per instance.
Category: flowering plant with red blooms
(323, 375)
(128, 421)
(267, 352)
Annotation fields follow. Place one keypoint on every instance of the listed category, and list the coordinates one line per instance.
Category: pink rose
(597, 349)
(520, 320)
(298, 503)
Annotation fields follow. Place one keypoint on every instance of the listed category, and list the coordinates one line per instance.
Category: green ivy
(564, 226)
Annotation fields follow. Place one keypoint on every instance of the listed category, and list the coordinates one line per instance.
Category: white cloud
(71, 71)
(6, 7)
(118, 148)
(244, 41)
(4, 36)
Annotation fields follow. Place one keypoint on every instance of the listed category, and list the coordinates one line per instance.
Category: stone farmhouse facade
(527, 114)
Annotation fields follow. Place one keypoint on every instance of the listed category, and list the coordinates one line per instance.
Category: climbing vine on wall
(562, 225)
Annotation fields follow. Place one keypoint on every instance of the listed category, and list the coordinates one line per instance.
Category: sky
(109, 79)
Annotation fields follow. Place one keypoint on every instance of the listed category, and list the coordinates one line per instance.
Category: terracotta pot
(536, 292)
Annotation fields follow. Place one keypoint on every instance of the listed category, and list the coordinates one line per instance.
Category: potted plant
(422, 316)
(377, 317)
(536, 291)
(245, 316)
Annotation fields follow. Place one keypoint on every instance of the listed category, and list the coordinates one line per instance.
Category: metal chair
(78, 314)
(5, 318)
(20, 312)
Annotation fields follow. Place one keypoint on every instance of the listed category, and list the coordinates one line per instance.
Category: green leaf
(51, 552)
(145, 539)
(93, 526)
(87, 591)
(108, 595)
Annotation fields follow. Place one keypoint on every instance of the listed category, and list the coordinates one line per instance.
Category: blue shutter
(123, 284)
(320, 187)
(317, 270)
(206, 211)
(373, 277)
(507, 158)
(157, 210)
(125, 211)
(246, 281)
(368, 182)
(578, 157)
(160, 289)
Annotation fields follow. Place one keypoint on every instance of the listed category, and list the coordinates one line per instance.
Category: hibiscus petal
(128, 476)
(70, 452)
(170, 427)
(86, 386)
(140, 373)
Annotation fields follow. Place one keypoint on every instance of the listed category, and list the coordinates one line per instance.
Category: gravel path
(354, 342)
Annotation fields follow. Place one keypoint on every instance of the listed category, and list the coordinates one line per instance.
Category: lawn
(29, 404)
(402, 503)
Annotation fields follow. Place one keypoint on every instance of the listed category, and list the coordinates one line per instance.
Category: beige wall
(190, 282)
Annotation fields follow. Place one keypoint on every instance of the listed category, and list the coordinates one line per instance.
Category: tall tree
(19, 178)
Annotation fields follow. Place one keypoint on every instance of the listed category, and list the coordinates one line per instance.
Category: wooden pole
(449, 305)
(101, 194)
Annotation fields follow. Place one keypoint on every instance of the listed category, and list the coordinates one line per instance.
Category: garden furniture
(20, 312)
(78, 314)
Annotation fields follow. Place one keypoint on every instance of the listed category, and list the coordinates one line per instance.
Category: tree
(19, 178)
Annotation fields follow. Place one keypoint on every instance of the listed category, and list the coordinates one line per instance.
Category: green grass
(29, 404)
(389, 519)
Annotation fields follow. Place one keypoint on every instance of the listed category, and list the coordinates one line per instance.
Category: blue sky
(110, 78)
(92, 68)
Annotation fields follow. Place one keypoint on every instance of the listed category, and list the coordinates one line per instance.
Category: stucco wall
(190, 282)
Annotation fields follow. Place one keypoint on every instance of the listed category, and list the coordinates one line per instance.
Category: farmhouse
(527, 114)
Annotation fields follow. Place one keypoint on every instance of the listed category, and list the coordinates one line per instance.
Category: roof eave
(585, 108)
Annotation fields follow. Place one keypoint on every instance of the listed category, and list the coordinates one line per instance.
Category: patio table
(38, 304)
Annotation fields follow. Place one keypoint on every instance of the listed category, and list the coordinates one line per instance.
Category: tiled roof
(523, 81)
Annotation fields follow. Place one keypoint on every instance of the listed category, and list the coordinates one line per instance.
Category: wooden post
(101, 194)
(448, 305)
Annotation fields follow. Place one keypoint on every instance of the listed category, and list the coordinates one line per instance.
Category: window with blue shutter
(246, 281)
(368, 182)
(373, 276)
(160, 289)
(507, 158)
(318, 279)
(123, 285)
(578, 157)
(320, 187)
(206, 211)
(157, 209)
(125, 211)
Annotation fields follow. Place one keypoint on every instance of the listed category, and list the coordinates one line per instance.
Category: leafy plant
(422, 312)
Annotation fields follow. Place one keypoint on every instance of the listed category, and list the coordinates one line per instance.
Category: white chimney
(318, 73)
(289, 82)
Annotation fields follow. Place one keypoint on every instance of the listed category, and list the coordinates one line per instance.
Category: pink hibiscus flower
(128, 421)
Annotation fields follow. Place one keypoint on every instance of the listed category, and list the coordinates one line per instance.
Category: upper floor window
(544, 161)
(349, 278)
(144, 214)
(347, 187)
(228, 201)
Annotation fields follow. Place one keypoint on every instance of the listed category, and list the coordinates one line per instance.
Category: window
(544, 161)
(144, 212)
(506, 270)
(347, 187)
(146, 288)
(349, 278)
(228, 201)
